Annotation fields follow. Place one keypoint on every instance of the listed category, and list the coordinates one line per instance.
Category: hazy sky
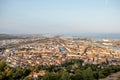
(59, 16)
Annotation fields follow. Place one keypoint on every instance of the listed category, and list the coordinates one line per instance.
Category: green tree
(2, 65)
(101, 75)
(88, 74)
(28, 78)
(77, 75)
(61, 75)
(64, 75)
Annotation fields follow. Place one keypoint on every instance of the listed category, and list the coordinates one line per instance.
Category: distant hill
(8, 36)
(19, 36)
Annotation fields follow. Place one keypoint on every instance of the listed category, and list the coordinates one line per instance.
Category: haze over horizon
(63, 16)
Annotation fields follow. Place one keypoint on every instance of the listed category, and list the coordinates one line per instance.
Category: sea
(97, 37)
(94, 35)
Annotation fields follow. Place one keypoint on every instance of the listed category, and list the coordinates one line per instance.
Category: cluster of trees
(9, 73)
(75, 70)
(70, 70)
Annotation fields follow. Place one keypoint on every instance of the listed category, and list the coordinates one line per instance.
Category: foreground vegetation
(70, 70)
